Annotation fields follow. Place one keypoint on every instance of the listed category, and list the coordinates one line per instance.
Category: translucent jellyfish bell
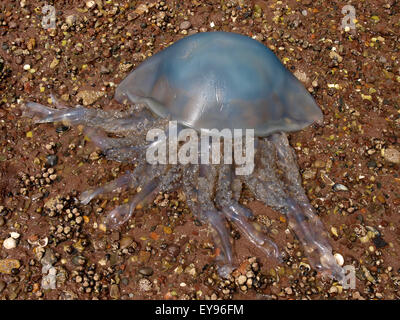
(221, 80)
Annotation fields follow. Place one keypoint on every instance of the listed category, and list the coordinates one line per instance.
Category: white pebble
(14, 235)
(9, 243)
(90, 4)
(339, 259)
(27, 67)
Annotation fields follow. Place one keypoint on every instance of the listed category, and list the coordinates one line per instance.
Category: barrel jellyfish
(210, 82)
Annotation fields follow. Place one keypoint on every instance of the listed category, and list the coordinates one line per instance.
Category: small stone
(146, 271)
(71, 19)
(31, 44)
(115, 236)
(79, 260)
(89, 97)
(391, 155)
(54, 63)
(185, 25)
(145, 284)
(379, 242)
(125, 242)
(335, 56)
(339, 187)
(333, 289)
(2, 221)
(62, 128)
(242, 280)
(6, 265)
(13, 290)
(104, 70)
(2, 286)
(173, 250)
(13, 25)
(289, 291)
(90, 4)
(319, 164)
(114, 291)
(15, 235)
(10, 243)
(49, 258)
(302, 76)
(339, 259)
(144, 256)
(52, 160)
(142, 8)
(309, 174)
(19, 60)
(125, 67)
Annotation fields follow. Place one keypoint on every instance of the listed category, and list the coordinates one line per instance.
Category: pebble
(339, 187)
(19, 60)
(333, 289)
(319, 164)
(51, 160)
(141, 8)
(146, 271)
(54, 63)
(242, 280)
(89, 97)
(125, 242)
(115, 236)
(15, 235)
(114, 291)
(71, 19)
(301, 76)
(79, 260)
(49, 258)
(339, 259)
(90, 4)
(6, 265)
(379, 242)
(391, 155)
(62, 128)
(145, 284)
(173, 250)
(2, 286)
(2, 221)
(144, 256)
(309, 174)
(185, 25)
(13, 290)
(289, 291)
(9, 243)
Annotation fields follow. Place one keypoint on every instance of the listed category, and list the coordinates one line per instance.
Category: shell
(217, 80)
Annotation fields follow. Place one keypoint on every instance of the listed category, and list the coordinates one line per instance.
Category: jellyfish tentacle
(57, 103)
(45, 114)
(171, 181)
(128, 180)
(240, 215)
(123, 213)
(301, 216)
(150, 183)
(198, 186)
(110, 121)
(120, 182)
(119, 149)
